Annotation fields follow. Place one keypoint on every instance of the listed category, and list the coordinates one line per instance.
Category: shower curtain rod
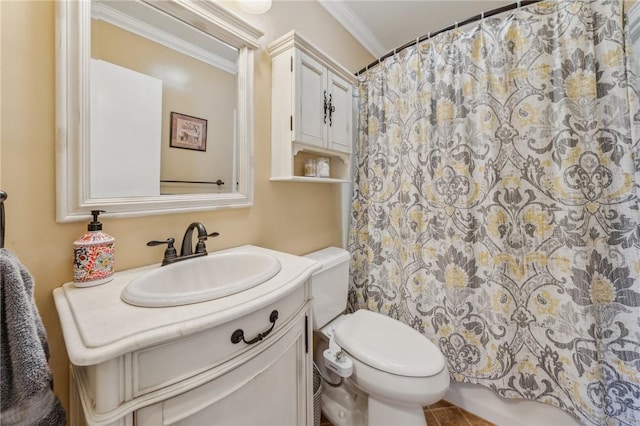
(453, 26)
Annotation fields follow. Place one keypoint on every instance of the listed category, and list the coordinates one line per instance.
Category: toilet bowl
(396, 370)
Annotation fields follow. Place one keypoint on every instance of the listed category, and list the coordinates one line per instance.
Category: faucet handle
(200, 246)
(169, 242)
(170, 254)
(204, 237)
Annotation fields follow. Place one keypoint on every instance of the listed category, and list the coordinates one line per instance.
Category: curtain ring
(456, 25)
(481, 16)
(428, 35)
(519, 4)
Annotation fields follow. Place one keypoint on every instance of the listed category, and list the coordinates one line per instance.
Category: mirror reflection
(162, 105)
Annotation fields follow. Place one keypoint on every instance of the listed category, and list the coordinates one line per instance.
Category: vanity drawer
(159, 366)
(271, 388)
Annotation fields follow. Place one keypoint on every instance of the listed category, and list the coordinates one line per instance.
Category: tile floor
(443, 413)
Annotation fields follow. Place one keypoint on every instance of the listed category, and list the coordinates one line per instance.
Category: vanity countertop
(97, 325)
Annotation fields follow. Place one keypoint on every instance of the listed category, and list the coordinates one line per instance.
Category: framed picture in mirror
(188, 132)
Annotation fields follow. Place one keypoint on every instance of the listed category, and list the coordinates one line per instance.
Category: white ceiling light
(254, 6)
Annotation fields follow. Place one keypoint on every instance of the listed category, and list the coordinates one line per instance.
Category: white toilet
(396, 370)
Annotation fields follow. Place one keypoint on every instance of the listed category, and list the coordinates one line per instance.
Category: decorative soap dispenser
(93, 255)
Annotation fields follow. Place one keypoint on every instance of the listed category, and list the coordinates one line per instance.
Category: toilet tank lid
(329, 257)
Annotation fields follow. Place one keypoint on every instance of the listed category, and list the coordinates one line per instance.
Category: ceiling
(382, 25)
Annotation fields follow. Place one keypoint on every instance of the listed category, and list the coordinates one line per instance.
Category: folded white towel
(26, 395)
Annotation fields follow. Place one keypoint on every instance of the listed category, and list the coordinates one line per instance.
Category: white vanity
(179, 365)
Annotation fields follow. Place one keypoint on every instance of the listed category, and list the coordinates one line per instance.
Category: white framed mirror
(187, 152)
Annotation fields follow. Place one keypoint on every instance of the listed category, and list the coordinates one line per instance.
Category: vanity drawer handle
(238, 335)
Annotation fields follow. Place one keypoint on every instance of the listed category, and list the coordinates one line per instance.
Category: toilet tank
(329, 285)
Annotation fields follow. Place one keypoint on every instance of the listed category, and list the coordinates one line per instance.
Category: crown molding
(345, 16)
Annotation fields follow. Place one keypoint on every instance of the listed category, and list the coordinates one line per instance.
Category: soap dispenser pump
(93, 255)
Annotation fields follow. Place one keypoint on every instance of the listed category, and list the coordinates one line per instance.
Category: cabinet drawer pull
(238, 335)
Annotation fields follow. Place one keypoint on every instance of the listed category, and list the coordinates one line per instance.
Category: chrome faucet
(186, 251)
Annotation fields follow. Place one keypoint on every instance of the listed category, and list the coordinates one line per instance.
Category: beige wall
(291, 217)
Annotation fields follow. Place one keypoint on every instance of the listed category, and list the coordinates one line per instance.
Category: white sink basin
(200, 279)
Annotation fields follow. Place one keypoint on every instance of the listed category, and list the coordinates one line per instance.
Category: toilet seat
(388, 345)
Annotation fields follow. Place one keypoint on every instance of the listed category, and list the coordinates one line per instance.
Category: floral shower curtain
(496, 205)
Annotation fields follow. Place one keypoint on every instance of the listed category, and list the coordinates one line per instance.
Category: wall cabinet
(311, 111)
(323, 105)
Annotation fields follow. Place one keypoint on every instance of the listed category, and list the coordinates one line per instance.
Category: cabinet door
(272, 389)
(310, 89)
(341, 120)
